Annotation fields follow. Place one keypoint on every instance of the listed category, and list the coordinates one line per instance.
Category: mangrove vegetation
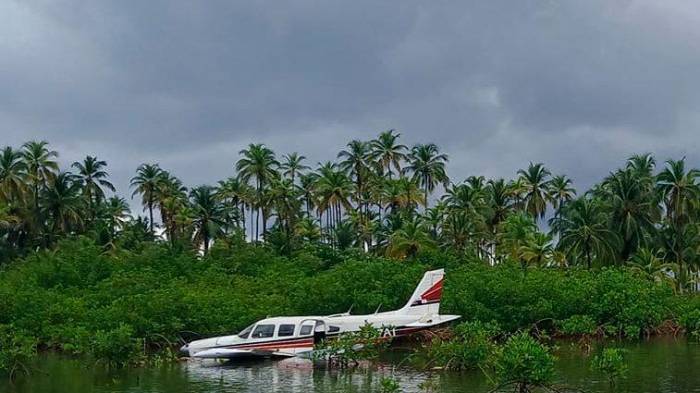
(83, 272)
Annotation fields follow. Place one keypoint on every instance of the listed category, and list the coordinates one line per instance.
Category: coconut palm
(258, 163)
(387, 152)
(41, 167)
(516, 231)
(651, 263)
(679, 190)
(535, 183)
(499, 204)
(237, 195)
(642, 165)
(334, 189)
(12, 175)
(355, 161)
(308, 230)
(287, 204)
(634, 209)
(538, 250)
(63, 203)
(170, 196)
(117, 211)
(146, 183)
(560, 191)
(583, 230)
(292, 165)
(427, 165)
(93, 177)
(402, 194)
(208, 215)
(410, 239)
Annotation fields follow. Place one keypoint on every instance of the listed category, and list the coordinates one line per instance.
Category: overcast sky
(577, 85)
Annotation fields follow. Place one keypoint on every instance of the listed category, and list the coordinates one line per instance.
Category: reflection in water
(293, 375)
(658, 366)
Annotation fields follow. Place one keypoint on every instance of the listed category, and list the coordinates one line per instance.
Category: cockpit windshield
(246, 332)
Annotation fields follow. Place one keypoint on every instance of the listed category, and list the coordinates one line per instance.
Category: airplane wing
(232, 353)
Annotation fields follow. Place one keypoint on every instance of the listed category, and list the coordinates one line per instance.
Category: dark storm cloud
(577, 85)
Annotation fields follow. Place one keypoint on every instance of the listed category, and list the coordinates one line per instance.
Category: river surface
(655, 366)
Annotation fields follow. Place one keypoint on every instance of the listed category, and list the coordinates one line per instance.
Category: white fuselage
(290, 336)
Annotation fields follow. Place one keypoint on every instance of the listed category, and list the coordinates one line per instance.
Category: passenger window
(285, 331)
(263, 331)
(306, 330)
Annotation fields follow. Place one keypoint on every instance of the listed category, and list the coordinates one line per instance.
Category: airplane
(296, 336)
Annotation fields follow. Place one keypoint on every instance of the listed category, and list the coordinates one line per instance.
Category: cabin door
(319, 332)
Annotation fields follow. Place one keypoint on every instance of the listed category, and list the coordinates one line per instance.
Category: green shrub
(611, 362)
(690, 321)
(627, 303)
(389, 385)
(16, 351)
(523, 362)
(469, 348)
(577, 325)
(117, 347)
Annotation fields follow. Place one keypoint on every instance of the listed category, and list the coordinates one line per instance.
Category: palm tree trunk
(425, 196)
(150, 213)
(588, 256)
(206, 242)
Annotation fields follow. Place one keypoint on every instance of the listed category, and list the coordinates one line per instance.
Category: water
(655, 366)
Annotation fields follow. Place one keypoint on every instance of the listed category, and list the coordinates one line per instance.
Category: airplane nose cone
(185, 350)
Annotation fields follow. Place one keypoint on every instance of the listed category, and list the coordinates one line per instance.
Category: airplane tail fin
(426, 297)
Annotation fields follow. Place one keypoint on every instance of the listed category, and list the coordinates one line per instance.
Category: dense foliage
(380, 196)
(80, 271)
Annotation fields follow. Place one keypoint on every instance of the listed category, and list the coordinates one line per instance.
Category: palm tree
(679, 191)
(538, 250)
(146, 183)
(334, 189)
(171, 197)
(583, 230)
(428, 167)
(650, 263)
(642, 165)
(259, 163)
(387, 152)
(355, 161)
(516, 231)
(409, 240)
(308, 190)
(308, 230)
(41, 167)
(293, 165)
(634, 210)
(93, 177)
(238, 194)
(118, 212)
(499, 204)
(402, 194)
(560, 191)
(535, 185)
(208, 215)
(63, 203)
(285, 197)
(12, 175)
